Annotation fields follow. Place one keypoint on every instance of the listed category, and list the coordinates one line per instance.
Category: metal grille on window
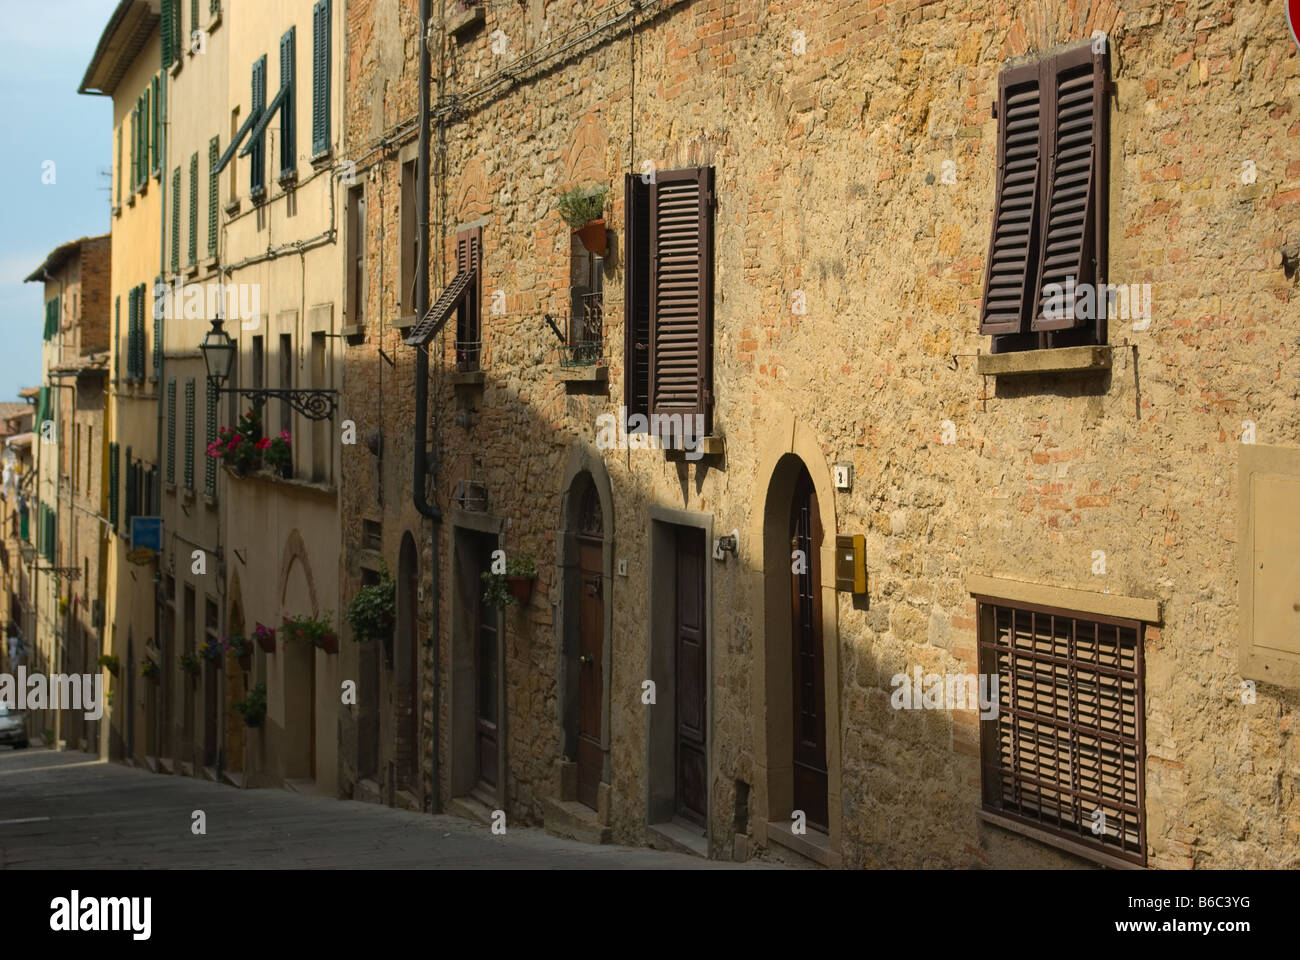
(1066, 751)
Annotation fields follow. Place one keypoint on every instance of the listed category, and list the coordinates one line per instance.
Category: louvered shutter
(189, 434)
(130, 335)
(681, 293)
(288, 126)
(320, 78)
(256, 159)
(636, 295)
(146, 134)
(114, 483)
(214, 192)
(156, 151)
(193, 248)
(1010, 273)
(1074, 100)
(128, 510)
(158, 327)
(135, 144)
(117, 336)
(210, 435)
(469, 335)
(171, 430)
(168, 34)
(194, 15)
(121, 171)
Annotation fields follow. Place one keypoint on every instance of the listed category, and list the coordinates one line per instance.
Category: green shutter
(194, 208)
(288, 120)
(148, 147)
(129, 506)
(320, 78)
(24, 525)
(114, 481)
(210, 435)
(171, 430)
(214, 7)
(189, 434)
(158, 327)
(214, 192)
(194, 15)
(135, 142)
(117, 334)
(130, 335)
(155, 158)
(176, 220)
(120, 172)
(257, 149)
(168, 34)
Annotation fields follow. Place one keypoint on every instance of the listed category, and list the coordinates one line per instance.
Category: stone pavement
(69, 810)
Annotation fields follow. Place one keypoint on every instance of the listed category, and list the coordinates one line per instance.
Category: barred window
(1066, 752)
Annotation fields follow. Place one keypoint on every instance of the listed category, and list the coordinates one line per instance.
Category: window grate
(1065, 752)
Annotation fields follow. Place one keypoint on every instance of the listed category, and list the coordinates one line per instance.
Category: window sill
(143, 188)
(130, 201)
(467, 378)
(354, 333)
(232, 207)
(470, 20)
(1064, 598)
(595, 373)
(175, 68)
(117, 210)
(287, 180)
(169, 487)
(257, 196)
(1088, 359)
(209, 265)
(814, 844)
(210, 501)
(404, 323)
(708, 447)
(322, 160)
(192, 270)
(1061, 843)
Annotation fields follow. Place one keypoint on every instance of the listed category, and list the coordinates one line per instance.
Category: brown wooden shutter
(681, 293)
(1073, 217)
(469, 336)
(636, 295)
(1009, 275)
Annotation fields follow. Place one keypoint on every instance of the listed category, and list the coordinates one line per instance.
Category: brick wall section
(96, 304)
(828, 180)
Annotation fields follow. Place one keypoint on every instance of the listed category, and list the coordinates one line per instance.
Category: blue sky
(44, 50)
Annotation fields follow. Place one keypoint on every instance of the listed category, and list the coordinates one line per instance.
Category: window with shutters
(170, 30)
(148, 132)
(171, 430)
(469, 331)
(356, 256)
(189, 434)
(214, 191)
(1049, 216)
(194, 209)
(121, 172)
(157, 312)
(155, 154)
(288, 116)
(257, 146)
(209, 437)
(117, 336)
(135, 144)
(320, 79)
(128, 500)
(668, 350)
(409, 240)
(1065, 753)
(585, 336)
(131, 333)
(176, 220)
(114, 481)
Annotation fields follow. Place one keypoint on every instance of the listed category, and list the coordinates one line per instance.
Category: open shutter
(681, 293)
(469, 334)
(168, 34)
(636, 295)
(114, 483)
(129, 502)
(320, 78)
(155, 156)
(1074, 98)
(1010, 273)
(257, 145)
(176, 220)
(117, 336)
(214, 190)
(158, 310)
(189, 434)
(288, 121)
(210, 436)
(171, 430)
(194, 208)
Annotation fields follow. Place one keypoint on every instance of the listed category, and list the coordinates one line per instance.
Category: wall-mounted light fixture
(219, 356)
(729, 543)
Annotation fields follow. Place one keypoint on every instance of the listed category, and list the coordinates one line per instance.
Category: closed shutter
(139, 336)
(1009, 275)
(288, 124)
(128, 507)
(117, 336)
(155, 153)
(114, 481)
(146, 133)
(171, 430)
(320, 78)
(681, 293)
(158, 326)
(636, 295)
(130, 334)
(168, 34)
(193, 249)
(256, 159)
(176, 220)
(214, 192)
(194, 15)
(210, 436)
(469, 334)
(1074, 91)
(121, 171)
(135, 143)
(189, 434)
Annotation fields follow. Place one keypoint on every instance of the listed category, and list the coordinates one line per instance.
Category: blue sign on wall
(146, 532)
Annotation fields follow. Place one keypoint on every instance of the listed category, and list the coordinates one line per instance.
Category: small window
(409, 242)
(1065, 753)
(585, 336)
(356, 256)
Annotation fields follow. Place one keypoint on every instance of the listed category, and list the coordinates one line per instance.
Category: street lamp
(219, 356)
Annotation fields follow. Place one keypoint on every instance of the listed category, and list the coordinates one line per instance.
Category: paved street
(60, 810)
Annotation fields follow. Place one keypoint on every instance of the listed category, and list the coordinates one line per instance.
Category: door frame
(583, 459)
(661, 719)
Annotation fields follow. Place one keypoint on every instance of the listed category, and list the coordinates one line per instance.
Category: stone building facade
(844, 172)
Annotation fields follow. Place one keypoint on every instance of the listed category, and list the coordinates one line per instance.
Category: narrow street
(67, 810)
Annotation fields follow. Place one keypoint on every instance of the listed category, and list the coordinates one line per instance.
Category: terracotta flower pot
(330, 643)
(267, 642)
(521, 587)
(593, 237)
(246, 661)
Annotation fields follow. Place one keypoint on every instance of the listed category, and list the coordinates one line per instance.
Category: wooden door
(809, 678)
(485, 679)
(591, 634)
(311, 749)
(692, 767)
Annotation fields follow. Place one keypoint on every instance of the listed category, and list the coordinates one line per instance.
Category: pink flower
(263, 443)
(234, 444)
(284, 435)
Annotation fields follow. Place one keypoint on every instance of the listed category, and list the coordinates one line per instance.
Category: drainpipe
(420, 452)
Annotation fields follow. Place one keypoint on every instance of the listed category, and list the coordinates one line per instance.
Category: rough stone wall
(830, 180)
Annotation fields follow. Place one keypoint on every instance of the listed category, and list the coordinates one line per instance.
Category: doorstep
(574, 820)
(470, 807)
(679, 836)
(814, 845)
(305, 786)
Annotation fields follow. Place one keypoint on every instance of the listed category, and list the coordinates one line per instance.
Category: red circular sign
(1293, 19)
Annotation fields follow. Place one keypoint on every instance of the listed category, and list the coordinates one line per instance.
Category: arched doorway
(808, 661)
(406, 669)
(590, 535)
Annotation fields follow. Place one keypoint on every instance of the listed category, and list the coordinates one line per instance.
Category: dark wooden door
(485, 677)
(692, 682)
(591, 633)
(808, 667)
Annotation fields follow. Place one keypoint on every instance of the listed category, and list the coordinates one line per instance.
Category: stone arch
(295, 550)
(584, 160)
(784, 448)
(473, 199)
(1037, 28)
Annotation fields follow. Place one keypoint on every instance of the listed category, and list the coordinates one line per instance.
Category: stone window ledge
(595, 373)
(708, 446)
(1053, 840)
(467, 378)
(1064, 598)
(1087, 359)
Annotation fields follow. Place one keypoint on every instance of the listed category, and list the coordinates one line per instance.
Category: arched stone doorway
(796, 663)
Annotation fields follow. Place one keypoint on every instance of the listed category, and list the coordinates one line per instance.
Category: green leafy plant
(373, 610)
(306, 629)
(191, 663)
(149, 669)
(581, 205)
(239, 645)
(496, 590)
(110, 662)
(521, 566)
(213, 650)
(253, 707)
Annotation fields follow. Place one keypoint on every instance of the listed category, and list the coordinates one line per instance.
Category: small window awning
(428, 327)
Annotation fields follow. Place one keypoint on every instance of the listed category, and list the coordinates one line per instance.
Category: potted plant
(253, 707)
(521, 572)
(583, 209)
(191, 664)
(242, 648)
(265, 637)
(306, 629)
(149, 669)
(110, 662)
(213, 651)
(496, 590)
(373, 610)
(244, 450)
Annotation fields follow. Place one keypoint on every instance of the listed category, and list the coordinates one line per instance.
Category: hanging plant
(319, 633)
(373, 610)
(110, 662)
(253, 707)
(149, 669)
(245, 450)
(515, 585)
(213, 651)
(583, 209)
(242, 648)
(191, 664)
(265, 637)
